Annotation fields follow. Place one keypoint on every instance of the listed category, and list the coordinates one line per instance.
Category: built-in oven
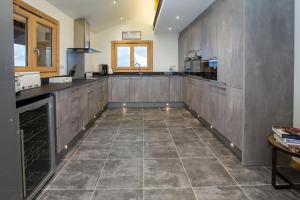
(37, 144)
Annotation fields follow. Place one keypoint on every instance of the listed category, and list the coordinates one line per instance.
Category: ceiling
(103, 14)
(187, 10)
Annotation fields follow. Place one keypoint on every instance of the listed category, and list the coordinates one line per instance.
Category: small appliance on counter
(27, 80)
(103, 69)
(89, 75)
(60, 79)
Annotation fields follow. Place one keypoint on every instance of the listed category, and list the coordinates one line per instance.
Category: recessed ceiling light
(170, 28)
(115, 1)
(177, 17)
(121, 18)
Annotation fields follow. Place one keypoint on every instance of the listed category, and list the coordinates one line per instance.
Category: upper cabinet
(36, 43)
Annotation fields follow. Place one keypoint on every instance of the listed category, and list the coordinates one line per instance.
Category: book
(293, 147)
(287, 132)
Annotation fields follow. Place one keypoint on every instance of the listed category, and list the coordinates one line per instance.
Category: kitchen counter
(50, 88)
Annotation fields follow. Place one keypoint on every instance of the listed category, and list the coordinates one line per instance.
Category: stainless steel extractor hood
(82, 41)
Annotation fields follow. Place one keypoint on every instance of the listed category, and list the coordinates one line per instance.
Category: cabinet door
(138, 89)
(120, 89)
(213, 106)
(233, 116)
(184, 89)
(221, 111)
(197, 96)
(175, 89)
(205, 104)
(158, 89)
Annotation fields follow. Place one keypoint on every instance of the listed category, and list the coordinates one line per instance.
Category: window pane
(141, 55)
(123, 56)
(20, 41)
(44, 46)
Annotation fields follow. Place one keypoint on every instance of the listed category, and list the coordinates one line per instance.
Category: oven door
(36, 130)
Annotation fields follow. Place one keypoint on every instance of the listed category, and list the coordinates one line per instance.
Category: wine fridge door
(36, 129)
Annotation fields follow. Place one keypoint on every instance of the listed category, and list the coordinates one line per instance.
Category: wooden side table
(278, 147)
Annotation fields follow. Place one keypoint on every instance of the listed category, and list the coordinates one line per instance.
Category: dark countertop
(50, 88)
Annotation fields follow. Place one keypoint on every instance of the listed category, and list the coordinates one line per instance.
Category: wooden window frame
(34, 17)
(132, 44)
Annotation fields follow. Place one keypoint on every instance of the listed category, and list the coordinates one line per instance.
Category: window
(35, 40)
(127, 56)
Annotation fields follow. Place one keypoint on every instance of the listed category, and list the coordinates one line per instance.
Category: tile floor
(157, 154)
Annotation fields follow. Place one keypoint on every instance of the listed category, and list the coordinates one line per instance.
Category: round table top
(282, 148)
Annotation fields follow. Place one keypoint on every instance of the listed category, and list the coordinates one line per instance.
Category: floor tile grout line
(182, 163)
(209, 148)
(103, 168)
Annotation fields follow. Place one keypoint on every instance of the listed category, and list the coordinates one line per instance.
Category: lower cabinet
(75, 108)
(175, 89)
(158, 89)
(234, 116)
(120, 89)
(138, 92)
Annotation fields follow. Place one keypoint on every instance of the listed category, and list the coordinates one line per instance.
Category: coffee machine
(103, 69)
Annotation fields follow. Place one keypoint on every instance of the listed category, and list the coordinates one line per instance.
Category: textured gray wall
(269, 74)
(10, 167)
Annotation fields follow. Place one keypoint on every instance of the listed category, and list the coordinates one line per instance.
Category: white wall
(66, 29)
(165, 45)
(297, 66)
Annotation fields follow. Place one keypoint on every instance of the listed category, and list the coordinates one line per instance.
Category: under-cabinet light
(177, 17)
(170, 28)
(115, 1)
(124, 104)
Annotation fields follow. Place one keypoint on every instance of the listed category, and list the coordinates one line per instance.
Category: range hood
(82, 42)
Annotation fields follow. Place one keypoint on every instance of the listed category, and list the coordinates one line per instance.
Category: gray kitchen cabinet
(184, 89)
(189, 92)
(138, 89)
(175, 89)
(233, 116)
(213, 103)
(208, 36)
(158, 89)
(120, 89)
(205, 105)
(198, 96)
(221, 108)
(193, 94)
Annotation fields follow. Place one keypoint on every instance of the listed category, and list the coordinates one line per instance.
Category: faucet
(139, 67)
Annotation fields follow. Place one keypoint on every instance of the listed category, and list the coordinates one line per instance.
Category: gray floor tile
(132, 124)
(153, 117)
(160, 173)
(92, 152)
(252, 176)
(231, 163)
(108, 125)
(66, 195)
(219, 149)
(220, 193)
(178, 124)
(84, 166)
(122, 174)
(78, 175)
(205, 134)
(169, 194)
(160, 150)
(194, 148)
(126, 149)
(207, 172)
(269, 193)
(122, 194)
(195, 123)
(183, 134)
(129, 135)
(157, 135)
(148, 124)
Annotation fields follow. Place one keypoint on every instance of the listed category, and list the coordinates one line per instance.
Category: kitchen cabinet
(158, 89)
(234, 116)
(175, 89)
(75, 108)
(120, 89)
(138, 89)
(205, 104)
(213, 105)
(221, 108)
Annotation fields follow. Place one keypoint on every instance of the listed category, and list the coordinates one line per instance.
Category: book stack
(288, 137)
